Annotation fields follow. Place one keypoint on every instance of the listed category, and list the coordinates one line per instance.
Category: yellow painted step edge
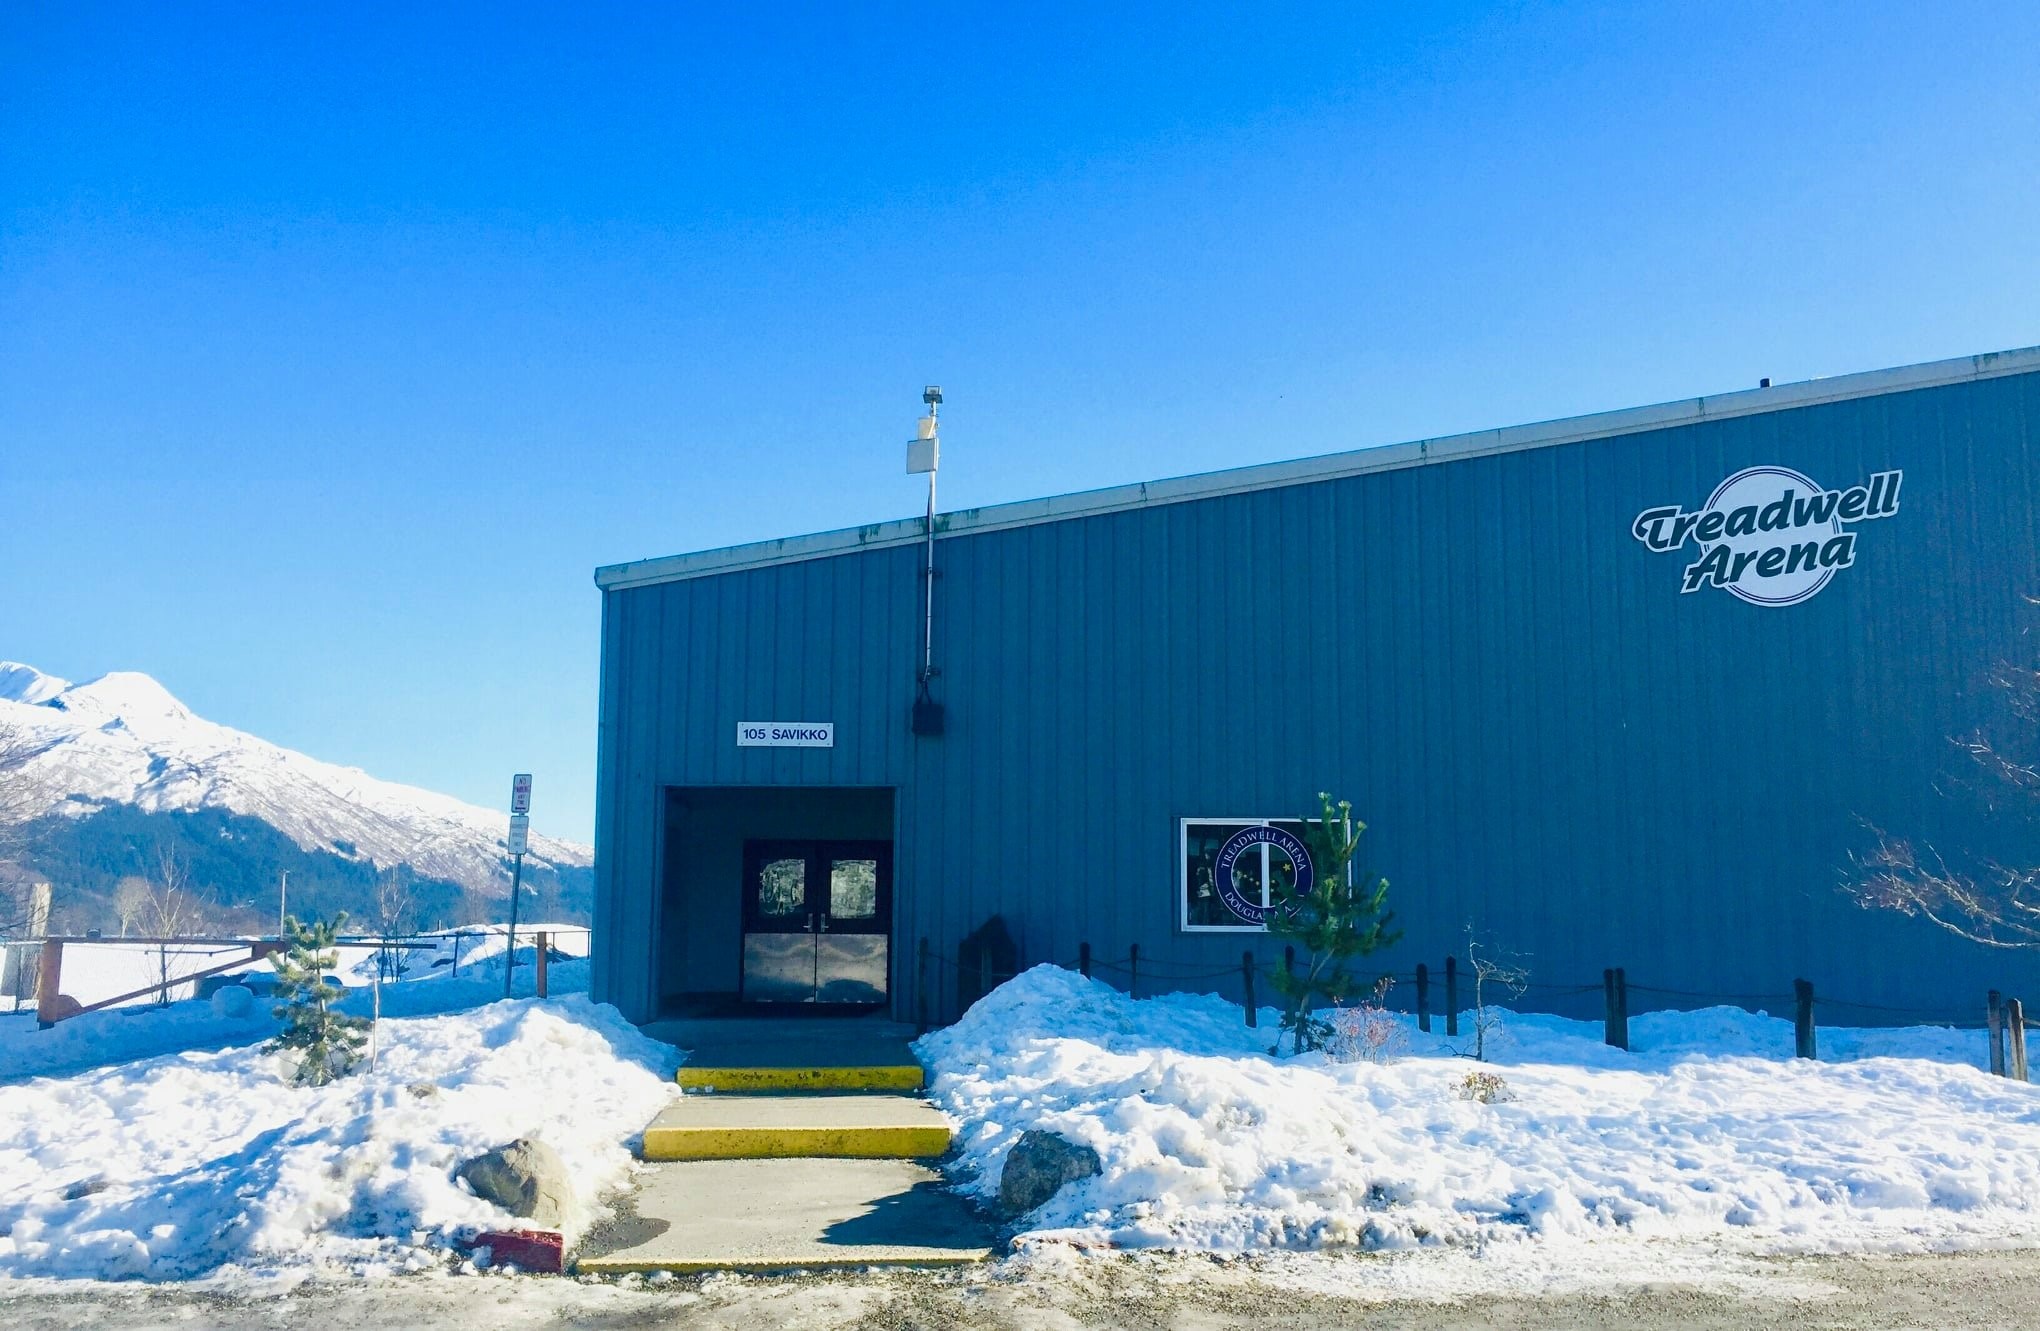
(627, 1266)
(861, 1143)
(904, 1077)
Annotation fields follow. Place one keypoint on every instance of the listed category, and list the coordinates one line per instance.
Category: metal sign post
(519, 842)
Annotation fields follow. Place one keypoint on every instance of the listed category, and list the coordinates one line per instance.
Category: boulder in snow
(527, 1178)
(233, 1001)
(1038, 1164)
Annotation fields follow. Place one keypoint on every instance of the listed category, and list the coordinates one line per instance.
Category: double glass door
(817, 921)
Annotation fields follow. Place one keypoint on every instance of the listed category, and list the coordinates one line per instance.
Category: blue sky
(339, 345)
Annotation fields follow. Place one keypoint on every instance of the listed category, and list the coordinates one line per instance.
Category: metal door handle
(809, 927)
(825, 921)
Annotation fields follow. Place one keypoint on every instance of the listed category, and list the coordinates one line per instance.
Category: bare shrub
(1484, 1086)
(1494, 973)
(1367, 1032)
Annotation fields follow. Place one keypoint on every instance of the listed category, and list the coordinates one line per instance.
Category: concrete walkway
(751, 1215)
(811, 1163)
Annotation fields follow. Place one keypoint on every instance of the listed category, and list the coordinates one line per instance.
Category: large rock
(1038, 1164)
(233, 1001)
(527, 1178)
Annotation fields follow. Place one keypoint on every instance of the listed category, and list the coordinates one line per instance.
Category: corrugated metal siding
(1550, 743)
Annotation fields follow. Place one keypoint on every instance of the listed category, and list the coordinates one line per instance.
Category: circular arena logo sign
(1225, 876)
(1769, 535)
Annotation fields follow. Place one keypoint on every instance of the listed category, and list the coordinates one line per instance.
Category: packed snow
(212, 1163)
(1897, 1139)
(124, 739)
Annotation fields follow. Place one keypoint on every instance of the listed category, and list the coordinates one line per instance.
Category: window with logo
(1231, 896)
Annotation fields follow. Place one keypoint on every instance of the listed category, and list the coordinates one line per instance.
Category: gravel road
(1639, 1288)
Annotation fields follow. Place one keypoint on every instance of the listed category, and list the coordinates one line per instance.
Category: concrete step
(765, 1127)
(760, 1215)
(798, 1080)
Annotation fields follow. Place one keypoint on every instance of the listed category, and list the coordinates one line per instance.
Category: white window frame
(1182, 887)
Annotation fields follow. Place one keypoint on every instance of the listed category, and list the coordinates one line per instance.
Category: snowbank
(1709, 1128)
(181, 1165)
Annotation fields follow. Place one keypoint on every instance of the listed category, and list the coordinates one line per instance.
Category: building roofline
(1331, 466)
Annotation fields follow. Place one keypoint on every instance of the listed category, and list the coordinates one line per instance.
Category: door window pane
(853, 889)
(782, 887)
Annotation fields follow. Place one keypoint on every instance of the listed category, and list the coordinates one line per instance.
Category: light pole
(923, 453)
(282, 898)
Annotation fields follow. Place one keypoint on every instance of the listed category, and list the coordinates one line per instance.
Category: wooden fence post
(1994, 1021)
(1452, 995)
(1247, 975)
(49, 983)
(1802, 1019)
(1423, 998)
(1608, 1007)
(1622, 1008)
(1133, 972)
(2015, 1027)
(1084, 959)
(544, 947)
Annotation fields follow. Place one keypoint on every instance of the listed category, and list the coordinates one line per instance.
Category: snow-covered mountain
(123, 739)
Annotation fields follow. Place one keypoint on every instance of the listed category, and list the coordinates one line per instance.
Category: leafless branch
(1998, 908)
(172, 910)
(1493, 972)
(1987, 889)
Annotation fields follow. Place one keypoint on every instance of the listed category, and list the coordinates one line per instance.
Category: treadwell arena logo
(1769, 535)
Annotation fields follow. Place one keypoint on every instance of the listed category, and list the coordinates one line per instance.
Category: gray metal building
(1617, 690)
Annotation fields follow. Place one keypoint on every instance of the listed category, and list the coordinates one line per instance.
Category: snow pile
(124, 739)
(178, 1166)
(1709, 1129)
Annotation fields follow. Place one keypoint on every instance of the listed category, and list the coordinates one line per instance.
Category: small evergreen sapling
(1340, 918)
(325, 1042)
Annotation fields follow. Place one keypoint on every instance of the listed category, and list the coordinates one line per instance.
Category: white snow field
(1709, 1129)
(104, 969)
(144, 1028)
(211, 1163)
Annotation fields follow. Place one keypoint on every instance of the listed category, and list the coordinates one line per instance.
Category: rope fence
(2003, 1019)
